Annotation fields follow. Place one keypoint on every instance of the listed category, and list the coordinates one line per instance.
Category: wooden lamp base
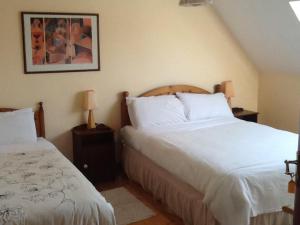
(91, 121)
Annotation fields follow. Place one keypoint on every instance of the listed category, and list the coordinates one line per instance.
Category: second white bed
(38, 185)
(237, 165)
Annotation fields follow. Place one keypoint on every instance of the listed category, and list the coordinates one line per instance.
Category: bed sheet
(38, 185)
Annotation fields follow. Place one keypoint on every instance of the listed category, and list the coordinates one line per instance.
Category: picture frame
(60, 42)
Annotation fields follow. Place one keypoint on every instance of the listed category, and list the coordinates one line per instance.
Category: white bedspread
(38, 185)
(237, 165)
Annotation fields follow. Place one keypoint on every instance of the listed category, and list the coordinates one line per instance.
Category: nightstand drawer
(97, 139)
(102, 163)
(98, 163)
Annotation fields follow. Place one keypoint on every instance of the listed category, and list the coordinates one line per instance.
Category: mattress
(178, 197)
(38, 185)
(237, 165)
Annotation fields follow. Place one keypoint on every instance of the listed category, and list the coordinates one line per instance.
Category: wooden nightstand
(94, 152)
(247, 115)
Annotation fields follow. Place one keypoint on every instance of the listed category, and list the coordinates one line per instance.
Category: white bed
(38, 185)
(233, 168)
(237, 165)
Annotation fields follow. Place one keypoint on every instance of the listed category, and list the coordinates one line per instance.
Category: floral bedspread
(43, 187)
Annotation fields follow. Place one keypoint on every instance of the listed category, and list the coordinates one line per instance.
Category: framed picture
(60, 42)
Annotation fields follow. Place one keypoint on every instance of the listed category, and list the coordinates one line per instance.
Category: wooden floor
(162, 217)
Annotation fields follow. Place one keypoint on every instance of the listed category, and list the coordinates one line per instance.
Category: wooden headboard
(165, 90)
(38, 119)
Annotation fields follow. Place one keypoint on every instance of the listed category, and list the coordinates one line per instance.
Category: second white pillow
(205, 106)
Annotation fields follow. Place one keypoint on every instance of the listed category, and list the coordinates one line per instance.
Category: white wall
(279, 101)
(144, 44)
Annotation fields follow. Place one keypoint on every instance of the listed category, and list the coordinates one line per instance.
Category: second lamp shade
(228, 89)
(89, 102)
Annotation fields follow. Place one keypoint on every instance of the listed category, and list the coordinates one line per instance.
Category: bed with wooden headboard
(136, 164)
(180, 198)
(24, 198)
(38, 118)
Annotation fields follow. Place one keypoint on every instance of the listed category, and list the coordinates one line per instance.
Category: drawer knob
(85, 166)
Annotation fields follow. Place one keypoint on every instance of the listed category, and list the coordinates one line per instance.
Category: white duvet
(237, 165)
(38, 185)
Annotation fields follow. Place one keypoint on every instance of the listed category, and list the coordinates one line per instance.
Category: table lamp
(90, 104)
(227, 89)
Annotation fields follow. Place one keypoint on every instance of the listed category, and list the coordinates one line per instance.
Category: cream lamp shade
(90, 104)
(228, 90)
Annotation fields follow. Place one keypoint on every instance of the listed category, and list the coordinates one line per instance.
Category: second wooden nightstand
(94, 152)
(247, 115)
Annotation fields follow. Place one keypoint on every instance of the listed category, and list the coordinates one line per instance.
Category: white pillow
(17, 127)
(205, 106)
(162, 110)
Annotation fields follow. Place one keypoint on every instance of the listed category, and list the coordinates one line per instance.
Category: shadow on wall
(77, 106)
(64, 141)
(113, 116)
(113, 120)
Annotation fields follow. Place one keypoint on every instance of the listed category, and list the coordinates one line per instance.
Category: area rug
(128, 209)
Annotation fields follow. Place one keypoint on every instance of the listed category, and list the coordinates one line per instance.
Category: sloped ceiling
(267, 30)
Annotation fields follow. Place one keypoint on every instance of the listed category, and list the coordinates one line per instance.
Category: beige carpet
(128, 209)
